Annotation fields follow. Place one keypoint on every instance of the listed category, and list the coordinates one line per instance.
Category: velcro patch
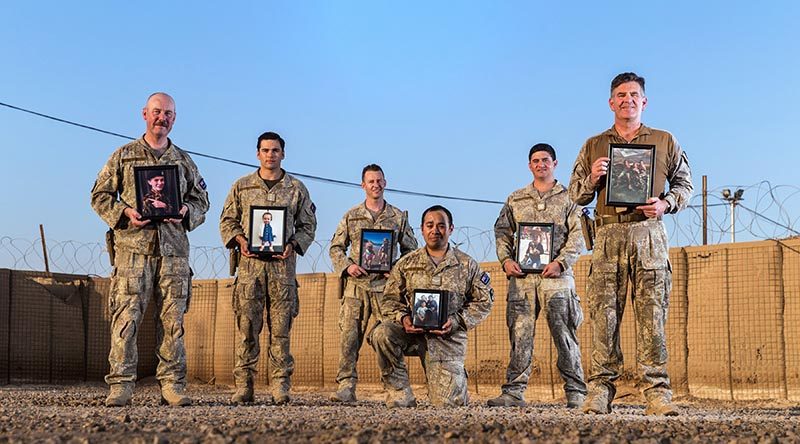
(313, 208)
(485, 278)
(202, 183)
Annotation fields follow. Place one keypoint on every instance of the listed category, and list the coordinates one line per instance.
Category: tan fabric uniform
(360, 296)
(529, 295)
(470, 301)
(629, 247)
(153, 260)
(266, 283)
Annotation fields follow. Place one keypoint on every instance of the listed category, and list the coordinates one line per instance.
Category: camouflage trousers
(358, 306)
(639, 252)
(442, 358)
(562, 309)
(264, 286)
(135, 280)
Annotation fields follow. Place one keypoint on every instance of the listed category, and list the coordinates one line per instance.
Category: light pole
(733, 200)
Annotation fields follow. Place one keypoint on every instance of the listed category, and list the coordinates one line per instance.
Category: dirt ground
(76, 414)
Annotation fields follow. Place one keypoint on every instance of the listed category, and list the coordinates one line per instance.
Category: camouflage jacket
(348, 234)
(470, 295)
(671, 165)
(554, 206)
(250, 190)
(115, 190)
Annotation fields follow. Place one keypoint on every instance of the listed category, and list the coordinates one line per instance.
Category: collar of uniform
(643, 130)
(147, 148)
(388, 211)
(285, 182)
(557, 189)
(450, 258)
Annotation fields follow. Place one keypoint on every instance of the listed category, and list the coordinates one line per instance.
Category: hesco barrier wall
(733, 329)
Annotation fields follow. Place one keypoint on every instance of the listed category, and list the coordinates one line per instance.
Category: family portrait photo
(430, 309)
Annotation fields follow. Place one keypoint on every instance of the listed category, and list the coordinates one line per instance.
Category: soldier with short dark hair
(436, 266)
(631, 244)
(266, 282)
(553, 291)
(152, 258)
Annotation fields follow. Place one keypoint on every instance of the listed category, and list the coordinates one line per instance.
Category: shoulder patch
(313, 208)
(485, 278)
(202, 183)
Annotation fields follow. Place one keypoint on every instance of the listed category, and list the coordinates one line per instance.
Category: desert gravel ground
(76, 413)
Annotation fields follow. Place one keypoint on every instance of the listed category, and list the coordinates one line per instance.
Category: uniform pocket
(349, 312)
(175, 277)
(575, 311)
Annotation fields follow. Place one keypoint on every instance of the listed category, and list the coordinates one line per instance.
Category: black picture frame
(629, 179)
(425, 316)
(376, 250)
(256, 244)
(153, 203)
(534, 246)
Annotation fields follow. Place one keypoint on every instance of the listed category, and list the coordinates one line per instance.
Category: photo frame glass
(534, 246)
(267, 230)
(157, 192)
(429, 309)
(629, 180)
(377, 247)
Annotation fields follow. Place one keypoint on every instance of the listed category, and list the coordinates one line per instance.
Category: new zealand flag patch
(485, 278)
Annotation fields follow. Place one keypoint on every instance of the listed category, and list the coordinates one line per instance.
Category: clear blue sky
(446, 96)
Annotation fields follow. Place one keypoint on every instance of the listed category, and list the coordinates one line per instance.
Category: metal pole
(733, 221)
(705, 209)
(44, 249)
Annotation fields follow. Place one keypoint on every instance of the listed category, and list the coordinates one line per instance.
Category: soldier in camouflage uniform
(442, 352)
(266, 282)
(152, 258)
(553, 291)
(631, 243)
(362, 289)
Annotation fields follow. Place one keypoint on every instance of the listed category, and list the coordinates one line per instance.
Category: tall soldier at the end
(152, 258)
(631, 243)
(266, 282)
(362, 289)
(553, 291)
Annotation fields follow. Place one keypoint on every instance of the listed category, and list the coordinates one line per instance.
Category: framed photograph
(376, 250)
(157, 192)
(267, 236)
(429, 309)
(629, 180)
(534, 246)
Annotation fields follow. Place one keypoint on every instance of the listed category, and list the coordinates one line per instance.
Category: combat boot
(174, 395)
(575, 400)
(506, 400)
(598, 402)
(243, 395)
(280, 391)
(346, 392)
(661, 404)
(400, 398)
(119, 396)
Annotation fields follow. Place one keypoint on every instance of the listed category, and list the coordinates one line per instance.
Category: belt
(620, 218)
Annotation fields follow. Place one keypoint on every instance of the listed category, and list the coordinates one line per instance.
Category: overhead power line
(236, 162)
